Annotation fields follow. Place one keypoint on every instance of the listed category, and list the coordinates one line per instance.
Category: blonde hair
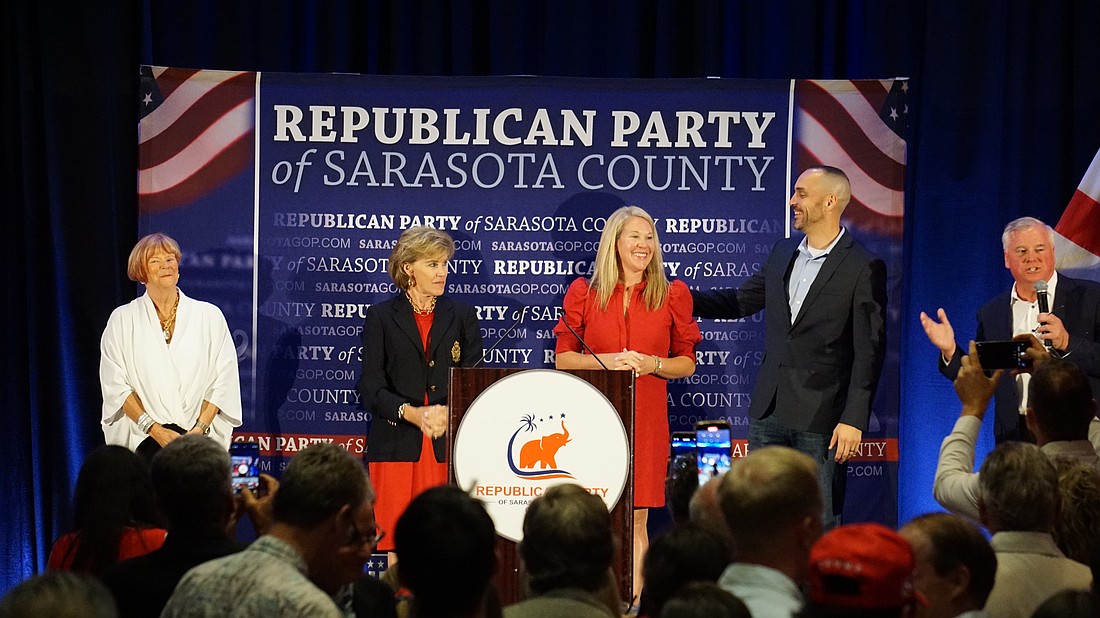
(417, 243)
(146, 248)
(608, 270)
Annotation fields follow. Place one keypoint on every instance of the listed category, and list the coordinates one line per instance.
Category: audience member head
(325, 504)
(191, 481)
(113, 492)
(703, 600)
(772, 504)
(318, 483)
(706, 511)
(1060, 402)
(1018, 489)
(567, 540)
(59, 594)
(680, 486)
(346, 563)
(1077, 527)
(1069, 604)
(861, 570)
(955, 565)
(686, 553)
(445, 543)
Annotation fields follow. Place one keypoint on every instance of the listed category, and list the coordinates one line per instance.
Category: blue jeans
(832, 477)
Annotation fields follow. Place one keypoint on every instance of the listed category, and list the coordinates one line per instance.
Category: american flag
(1077, 235)
(195, 133)
(859, 127)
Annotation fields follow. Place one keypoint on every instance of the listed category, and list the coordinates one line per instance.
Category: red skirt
(396, 483)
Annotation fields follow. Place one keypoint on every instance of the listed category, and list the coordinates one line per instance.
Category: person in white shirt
(773, 508)
(168, 365)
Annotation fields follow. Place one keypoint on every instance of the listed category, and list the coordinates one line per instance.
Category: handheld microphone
(1044, 305)
(522, 314)
(583, 344)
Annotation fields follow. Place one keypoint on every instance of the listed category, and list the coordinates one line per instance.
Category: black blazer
(1077, 304)
(395, 370)
(824, 368)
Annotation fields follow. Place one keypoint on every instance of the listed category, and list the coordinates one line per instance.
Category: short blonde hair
(608, 271)
(146, 248)
(417, 243)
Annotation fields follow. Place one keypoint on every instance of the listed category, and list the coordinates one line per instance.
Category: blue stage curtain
(1003, 124)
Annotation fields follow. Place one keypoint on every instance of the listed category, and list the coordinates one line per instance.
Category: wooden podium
(618, 387)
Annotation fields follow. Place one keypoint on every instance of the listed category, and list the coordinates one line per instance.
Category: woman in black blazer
(409, 344)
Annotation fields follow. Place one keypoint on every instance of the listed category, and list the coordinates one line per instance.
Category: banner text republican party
(287, 193)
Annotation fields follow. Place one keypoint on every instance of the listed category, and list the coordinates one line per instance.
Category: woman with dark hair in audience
(114, 514)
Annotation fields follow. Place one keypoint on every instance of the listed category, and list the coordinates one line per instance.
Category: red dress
(134, 542)
(668, 332)
(396, 483)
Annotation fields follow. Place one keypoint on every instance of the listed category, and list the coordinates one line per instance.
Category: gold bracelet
(656, 364)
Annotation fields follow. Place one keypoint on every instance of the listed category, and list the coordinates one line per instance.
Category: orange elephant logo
(543, 451)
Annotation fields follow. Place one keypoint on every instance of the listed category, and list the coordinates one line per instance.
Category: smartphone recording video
(244, 458)
(712, 447)
(1003, 355)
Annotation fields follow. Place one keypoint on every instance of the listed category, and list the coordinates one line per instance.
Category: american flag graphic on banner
(858, 126)
(195, 133)
(1077, 235)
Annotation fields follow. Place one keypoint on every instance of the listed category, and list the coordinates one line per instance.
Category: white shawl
(172, 380)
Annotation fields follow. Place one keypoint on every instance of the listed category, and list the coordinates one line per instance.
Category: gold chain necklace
(418, 310)
(167, 323)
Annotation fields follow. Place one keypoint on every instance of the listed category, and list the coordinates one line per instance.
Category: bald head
(835, 182)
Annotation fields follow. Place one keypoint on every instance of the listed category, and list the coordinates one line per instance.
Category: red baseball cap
(862, 566)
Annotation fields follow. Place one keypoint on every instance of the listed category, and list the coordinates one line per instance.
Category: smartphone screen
(244, 458)
(712, 445)
(1003, 354)
(683, 443)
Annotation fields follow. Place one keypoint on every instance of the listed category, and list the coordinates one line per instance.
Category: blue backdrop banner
(288, 191)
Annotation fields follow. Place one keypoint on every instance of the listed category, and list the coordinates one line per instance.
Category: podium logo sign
(535, 429)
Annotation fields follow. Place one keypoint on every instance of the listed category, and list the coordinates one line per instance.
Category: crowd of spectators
(1024, 531)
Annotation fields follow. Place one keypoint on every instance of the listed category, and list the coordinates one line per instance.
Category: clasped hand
(433, 420)
(629, 360)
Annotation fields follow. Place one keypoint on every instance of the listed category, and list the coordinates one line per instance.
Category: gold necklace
(418, 310)
(167, 323)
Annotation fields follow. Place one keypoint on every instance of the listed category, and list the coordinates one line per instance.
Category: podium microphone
(1044, 305)
(585, 345)
(522, 314)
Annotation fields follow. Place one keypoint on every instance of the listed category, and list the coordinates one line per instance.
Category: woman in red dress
(410, 342)
(634, 319)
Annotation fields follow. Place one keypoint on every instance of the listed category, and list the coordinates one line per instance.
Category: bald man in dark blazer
(817, 382)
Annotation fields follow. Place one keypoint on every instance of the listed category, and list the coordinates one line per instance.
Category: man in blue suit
(1072, 327)
(825, 297)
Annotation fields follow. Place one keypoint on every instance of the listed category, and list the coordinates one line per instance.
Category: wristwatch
(401, 411)
(203, 426)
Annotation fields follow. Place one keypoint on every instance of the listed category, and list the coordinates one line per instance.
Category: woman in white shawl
(168, 365)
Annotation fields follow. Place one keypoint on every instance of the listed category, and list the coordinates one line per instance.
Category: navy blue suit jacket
(824, 368)
(396, 371)
(1077, 304)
